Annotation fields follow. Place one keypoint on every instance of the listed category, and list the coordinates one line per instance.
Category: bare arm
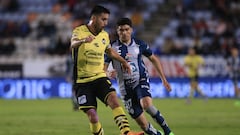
(116, 56)
(156, 63)
(105, 68)
(76, 42)
(111, 74)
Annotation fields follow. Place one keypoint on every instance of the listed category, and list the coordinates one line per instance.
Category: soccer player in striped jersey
(233, 65)
(134, 88)
(89, 44)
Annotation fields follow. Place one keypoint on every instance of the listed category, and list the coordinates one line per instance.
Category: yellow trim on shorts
(86, 107)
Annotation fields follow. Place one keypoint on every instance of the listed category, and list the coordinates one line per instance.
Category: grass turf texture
(56, 117)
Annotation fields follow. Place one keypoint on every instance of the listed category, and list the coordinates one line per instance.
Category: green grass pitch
(56, 117)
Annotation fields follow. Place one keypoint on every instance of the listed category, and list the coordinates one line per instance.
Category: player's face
(191, 51)
(101, 21)
(234, 52)
(124, 32)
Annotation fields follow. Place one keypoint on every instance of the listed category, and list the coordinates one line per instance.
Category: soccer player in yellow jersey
(89, 43)
(193, 61)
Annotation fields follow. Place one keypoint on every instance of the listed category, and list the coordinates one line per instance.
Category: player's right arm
(76, 41)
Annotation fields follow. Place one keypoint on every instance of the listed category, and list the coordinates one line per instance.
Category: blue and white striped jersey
(132, 53)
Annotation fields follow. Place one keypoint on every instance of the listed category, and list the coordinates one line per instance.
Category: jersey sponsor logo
(129, 106)
(82, 99)
(129, 81)
(93, 54)
(145, 86)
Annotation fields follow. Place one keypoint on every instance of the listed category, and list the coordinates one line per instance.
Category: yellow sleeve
(75, 33)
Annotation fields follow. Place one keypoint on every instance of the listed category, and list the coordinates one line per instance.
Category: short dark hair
(99, 9)
(124, 21)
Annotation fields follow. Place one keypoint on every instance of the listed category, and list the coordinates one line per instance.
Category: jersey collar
(120, 43)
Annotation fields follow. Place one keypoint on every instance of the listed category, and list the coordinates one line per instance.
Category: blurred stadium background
(34, 42)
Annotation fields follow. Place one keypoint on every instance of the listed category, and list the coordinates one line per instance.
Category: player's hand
(112, 74)
(126, 67)
(89, 39)
(167, 85)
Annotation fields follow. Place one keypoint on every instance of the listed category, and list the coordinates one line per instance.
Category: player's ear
(93, 17)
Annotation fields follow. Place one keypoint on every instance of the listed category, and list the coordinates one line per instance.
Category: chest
(128, 52)
(99, 45)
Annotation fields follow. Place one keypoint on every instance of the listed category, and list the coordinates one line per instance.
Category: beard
(98, 29)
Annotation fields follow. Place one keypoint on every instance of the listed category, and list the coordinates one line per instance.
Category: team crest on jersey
(136, 50)
(82, 99)
(127, 57)
(104, 41)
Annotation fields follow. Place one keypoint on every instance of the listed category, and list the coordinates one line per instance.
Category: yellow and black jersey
(193, 63)
(89, 57)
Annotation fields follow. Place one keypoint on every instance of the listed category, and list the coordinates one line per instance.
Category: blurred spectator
(229, 32)
(226, 46)
(45, 29)
(211, 24)
(7, 47)
(215, 45)
(11, 29)
(9, 5)
(58, 46)
(184, 29)
(137, 20)
(200, 27)
(168, 45)
(197, 44)
(24, 28)
(179, 10)
(221, 26)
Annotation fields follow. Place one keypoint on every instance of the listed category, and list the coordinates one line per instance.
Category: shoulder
(105, 33)
(80, 28)
(114, 42)
(187, 57)
(139, 41)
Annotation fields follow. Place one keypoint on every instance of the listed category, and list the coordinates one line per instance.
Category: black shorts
(194, 78)
(87, 93)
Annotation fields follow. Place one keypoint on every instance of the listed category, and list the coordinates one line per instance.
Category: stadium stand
(212, 27)
(41, 28)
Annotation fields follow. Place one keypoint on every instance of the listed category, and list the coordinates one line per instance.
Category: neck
(91, 28)
(127, 42)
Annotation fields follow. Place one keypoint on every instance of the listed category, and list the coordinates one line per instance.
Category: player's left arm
(157, 64)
